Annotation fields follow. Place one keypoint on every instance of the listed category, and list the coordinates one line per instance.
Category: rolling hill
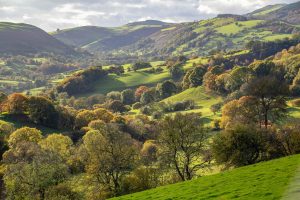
(284, 12)
(27, 39)
(276, 179)
(155, 38)
(105, 39)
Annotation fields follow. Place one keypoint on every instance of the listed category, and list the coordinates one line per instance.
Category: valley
(206, 109)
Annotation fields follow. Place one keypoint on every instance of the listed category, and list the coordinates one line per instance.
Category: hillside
(104, 39)
(28, 39)
(155, 38)
(287, 13)
(267, 180)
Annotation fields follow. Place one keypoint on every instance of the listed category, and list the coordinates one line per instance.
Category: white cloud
(52, 14)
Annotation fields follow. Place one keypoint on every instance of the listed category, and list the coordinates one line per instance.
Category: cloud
(52, 14)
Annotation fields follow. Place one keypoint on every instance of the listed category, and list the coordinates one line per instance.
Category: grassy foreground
(276, 179)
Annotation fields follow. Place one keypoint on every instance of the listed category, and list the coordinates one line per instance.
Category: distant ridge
(27, 39)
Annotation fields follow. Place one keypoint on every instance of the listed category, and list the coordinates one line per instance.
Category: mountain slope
(104, 39)
(276, 179)
(28, 39)
(155, 38)
(288, 13)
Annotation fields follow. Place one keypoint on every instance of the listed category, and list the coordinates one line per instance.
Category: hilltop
(27, 39)
(275, 179)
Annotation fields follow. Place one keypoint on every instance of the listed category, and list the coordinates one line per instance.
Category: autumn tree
(140, 91)
(31, 171)
(111, 154)
(182, 144)
(16, 103)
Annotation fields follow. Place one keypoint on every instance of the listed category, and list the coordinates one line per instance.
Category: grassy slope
(202, 99)
(277, 179)
(135, 79)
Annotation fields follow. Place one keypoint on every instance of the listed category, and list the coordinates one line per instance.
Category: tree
(16, 103)
(30, 170)
(24, 134)
(141, 65)
(111, 154)
(42, 111)
(271, 97)
(238, 76)
(196, 76)
(104, 115)
(148, 97)
(166, 89)
(114, 95)
(176, 71)
(242, 111)
(127, 97)
(57, 143)
(83, 118)
(238, 146)
(140, 91)
(182, 144)
(117, 106)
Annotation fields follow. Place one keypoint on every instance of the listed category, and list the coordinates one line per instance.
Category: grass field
(272, 180)
(203, 101)
(235, 28)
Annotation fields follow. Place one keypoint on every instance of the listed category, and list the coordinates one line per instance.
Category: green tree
(111, 154)
(238, 146)
(176, 71)
(271, 97)
(182, 144)
(127, 97)
(166, 89)
(30, 170)
(196, 77)
(42, 111)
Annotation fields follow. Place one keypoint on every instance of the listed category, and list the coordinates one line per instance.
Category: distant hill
(28, 39)
(156, 38)
(105, 39)
(289, 13)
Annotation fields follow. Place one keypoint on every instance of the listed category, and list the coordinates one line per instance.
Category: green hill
(155, 38)
(203, 100)
(276, 179)
(105, 39)
(28, 39)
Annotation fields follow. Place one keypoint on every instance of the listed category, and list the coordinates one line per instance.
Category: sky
(52, 14)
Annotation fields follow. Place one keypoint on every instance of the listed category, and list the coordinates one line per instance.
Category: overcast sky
(52, 14)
